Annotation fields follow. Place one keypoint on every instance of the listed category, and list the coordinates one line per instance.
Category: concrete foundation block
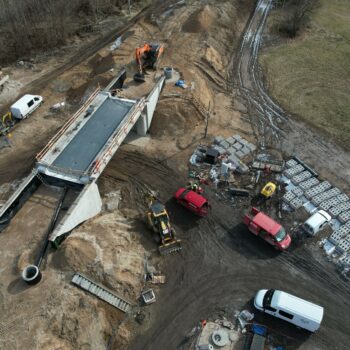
(244, 142)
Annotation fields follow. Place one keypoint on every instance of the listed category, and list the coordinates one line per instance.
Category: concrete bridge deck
(82, 150)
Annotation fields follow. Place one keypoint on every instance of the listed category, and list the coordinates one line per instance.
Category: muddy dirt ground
(220, 267)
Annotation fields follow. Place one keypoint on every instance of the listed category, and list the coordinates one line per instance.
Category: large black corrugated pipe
(31, 274)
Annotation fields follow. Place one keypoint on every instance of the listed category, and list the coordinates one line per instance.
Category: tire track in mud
(248, 79)
(270, 123)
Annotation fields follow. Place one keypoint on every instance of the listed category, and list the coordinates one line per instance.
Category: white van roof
(23, 101)
(297, 306)
(318, 218)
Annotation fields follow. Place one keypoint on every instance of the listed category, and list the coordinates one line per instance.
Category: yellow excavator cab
(268, 190)
(158, 220)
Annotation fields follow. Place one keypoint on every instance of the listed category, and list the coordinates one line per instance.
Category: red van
(192, 201)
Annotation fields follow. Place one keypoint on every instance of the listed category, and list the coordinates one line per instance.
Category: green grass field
(310, 75)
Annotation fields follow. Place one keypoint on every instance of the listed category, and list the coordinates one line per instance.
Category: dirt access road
(222, 265)
(273, 126)
(220, 269)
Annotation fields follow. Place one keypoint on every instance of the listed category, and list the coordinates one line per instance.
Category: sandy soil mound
(75, 254)
(200, 21)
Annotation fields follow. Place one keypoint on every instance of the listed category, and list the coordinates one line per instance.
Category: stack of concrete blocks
(344, 216)
(338, 209)
(293, 171)
(317, 200)
(234, 145)
(314, 191)
(306, 185)
(339, 234)
(292, 200)
(303, 176)
(332, 202)
(291, 163)
(344, 245)
(297, 191)
(344, 262)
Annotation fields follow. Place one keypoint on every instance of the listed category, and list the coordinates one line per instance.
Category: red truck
(268, 229)
(192, 201)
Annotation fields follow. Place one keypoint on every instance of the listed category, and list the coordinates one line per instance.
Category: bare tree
(296, 14)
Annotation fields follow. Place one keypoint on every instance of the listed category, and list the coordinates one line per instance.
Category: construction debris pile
(218, 163)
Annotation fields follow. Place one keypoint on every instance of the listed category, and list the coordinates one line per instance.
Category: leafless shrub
(294, 15)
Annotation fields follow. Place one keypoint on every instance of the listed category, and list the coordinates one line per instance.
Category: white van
(26, 105)
(290, 308)
(316, 222)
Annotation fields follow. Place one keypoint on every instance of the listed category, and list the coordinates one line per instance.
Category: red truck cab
(268, 229)
(192, 201)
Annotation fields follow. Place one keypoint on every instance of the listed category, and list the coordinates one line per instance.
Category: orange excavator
(147, 57)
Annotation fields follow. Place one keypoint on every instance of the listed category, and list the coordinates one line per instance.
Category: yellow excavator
(147, 57)
(7, 123)
(158, 221)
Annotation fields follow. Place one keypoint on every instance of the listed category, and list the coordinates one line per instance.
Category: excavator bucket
(139, 77)
(170, 247)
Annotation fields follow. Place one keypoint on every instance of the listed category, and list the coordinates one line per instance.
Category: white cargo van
(26, 105)
(290, 308)
(316, 222)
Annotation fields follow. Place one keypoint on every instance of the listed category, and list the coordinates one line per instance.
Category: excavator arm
(146, 57)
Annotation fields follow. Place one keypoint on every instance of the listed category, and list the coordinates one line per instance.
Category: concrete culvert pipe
(31, 274)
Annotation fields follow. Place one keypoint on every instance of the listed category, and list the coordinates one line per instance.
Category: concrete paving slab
(230, 140)
(218, 140)
(251, 146)
(245, 150)
(231, 150)
(239, 154)
(224, 144)
(237, 146)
